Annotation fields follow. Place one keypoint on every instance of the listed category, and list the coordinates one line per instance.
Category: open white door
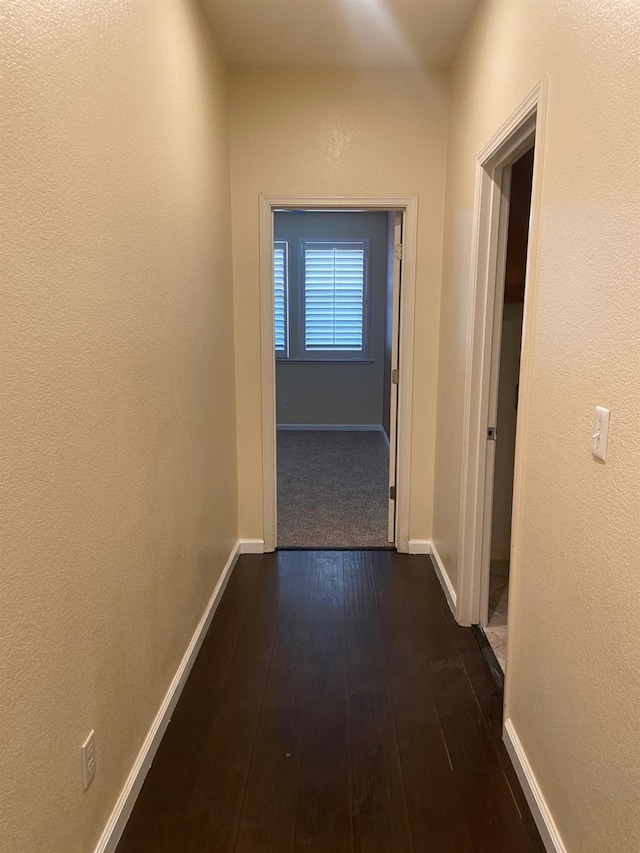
(494, 381)
(394, 378)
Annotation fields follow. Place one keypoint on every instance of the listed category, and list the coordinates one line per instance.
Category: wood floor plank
(490, 699)
(364, 642)
(495, 824)
(438, 820)
(469, 740)
(428, 620)
(161, 818)
(267, 819)
(380, 816)
(379, 809)
(473, 745)
(212, 813)
(412, 696)
(521, 802)
(435, 811)
(212, 664)
(323, 817)
(488, 694)
(156, 823)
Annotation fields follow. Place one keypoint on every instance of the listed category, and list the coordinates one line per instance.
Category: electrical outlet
(89, 759)
(286, 404)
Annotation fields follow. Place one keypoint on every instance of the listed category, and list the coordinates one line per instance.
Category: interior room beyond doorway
(333, 342)
(506, 413)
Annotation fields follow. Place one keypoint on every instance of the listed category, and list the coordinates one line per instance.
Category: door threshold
(489, 655)
(336, 548)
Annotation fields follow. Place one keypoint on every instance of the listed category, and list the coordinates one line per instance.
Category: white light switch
(601, 433)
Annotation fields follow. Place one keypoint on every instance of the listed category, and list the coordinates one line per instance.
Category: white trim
(443, 577)
(408, 204)
(124, 805)
(540, 810)
(419, 546)
(405, 369)
(395, 224)
(333, 427)
(426, 546)
(510, 141)
(268, 377)
(251, 546)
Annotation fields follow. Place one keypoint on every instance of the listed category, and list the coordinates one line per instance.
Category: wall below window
(343, 393)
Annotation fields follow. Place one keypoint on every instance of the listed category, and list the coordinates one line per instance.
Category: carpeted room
(331, 277)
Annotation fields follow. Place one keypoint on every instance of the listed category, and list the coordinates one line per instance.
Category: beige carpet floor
(332, 489)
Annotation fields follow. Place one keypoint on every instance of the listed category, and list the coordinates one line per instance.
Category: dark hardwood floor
(335, 706)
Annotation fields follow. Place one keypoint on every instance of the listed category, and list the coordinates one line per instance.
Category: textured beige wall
(117, 422)
(336, 132)
(573, 680)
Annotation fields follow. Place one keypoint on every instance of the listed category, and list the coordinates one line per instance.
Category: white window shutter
(280, 295)
(334, 298)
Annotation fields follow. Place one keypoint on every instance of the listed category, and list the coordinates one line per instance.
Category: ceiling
(321, 33)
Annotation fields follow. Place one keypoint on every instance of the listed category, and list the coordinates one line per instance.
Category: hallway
(335, 706)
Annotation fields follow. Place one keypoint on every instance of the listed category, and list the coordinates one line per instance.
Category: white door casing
(408, 205)
(517, 134)
(394, 379)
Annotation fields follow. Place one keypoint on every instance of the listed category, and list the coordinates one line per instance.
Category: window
(280, 290)
(326, 304)
(333, 298)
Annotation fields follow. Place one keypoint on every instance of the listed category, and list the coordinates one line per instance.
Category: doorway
(289, 401)
(523, 133)
(336, 279)
(503, 406)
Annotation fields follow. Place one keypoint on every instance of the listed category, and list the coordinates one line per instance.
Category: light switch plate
(601, 433)
(89, 760)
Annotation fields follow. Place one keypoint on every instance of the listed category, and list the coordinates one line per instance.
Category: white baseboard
(126, 801)
(251, 546)
(334, 427)
(426, 546)
(445, 580)
(539, 809)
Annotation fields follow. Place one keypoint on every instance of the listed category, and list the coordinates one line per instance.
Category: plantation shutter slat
(334, 298)
(280, 295)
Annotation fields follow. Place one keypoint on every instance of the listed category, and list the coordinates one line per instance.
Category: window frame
(297, 352)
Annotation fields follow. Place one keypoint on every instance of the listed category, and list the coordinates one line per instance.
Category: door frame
(408, 205)
(395, 227)
(493, 173)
